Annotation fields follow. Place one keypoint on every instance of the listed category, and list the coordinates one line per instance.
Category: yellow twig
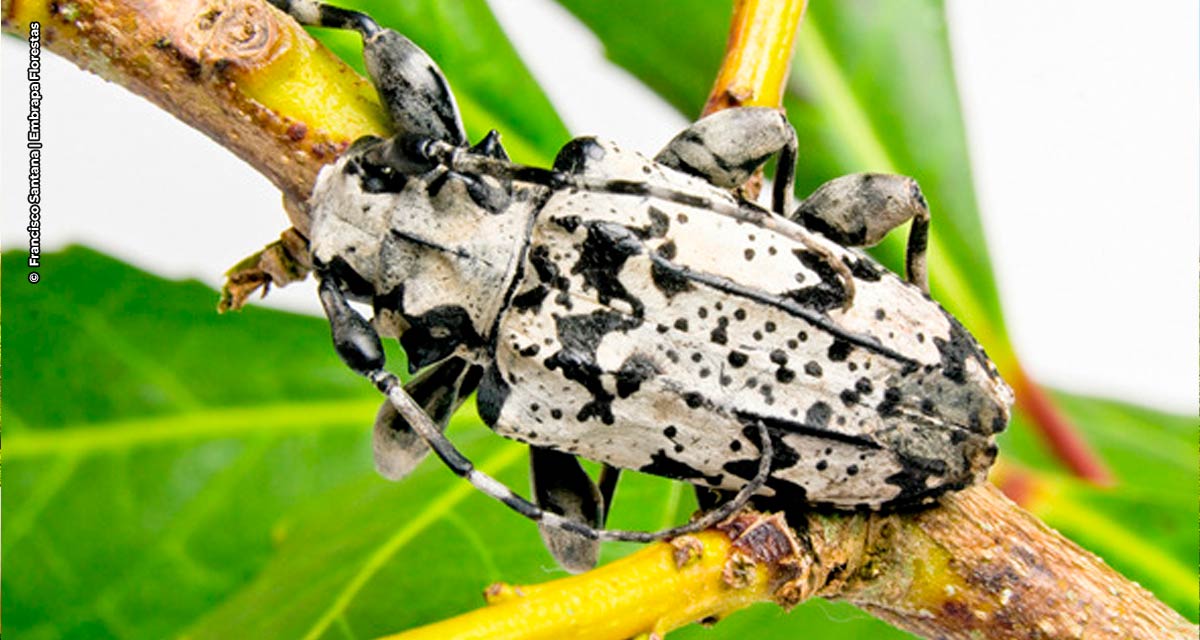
(758, 55)
(662, 587)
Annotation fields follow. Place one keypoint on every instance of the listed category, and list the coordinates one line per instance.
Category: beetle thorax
(435, 264)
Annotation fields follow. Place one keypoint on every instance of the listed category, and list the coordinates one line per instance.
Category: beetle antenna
(319, 14)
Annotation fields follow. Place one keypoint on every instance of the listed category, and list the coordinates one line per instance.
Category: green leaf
(872, 89)
(493, 88)
(153, 444)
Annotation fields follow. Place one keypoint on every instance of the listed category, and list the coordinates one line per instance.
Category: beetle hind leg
(858, 210)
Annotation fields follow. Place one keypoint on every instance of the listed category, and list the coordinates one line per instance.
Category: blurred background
(181, 472)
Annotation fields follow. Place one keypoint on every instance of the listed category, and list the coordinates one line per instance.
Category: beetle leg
(490, 146)
(609, 475)
(410, 84)
(561, 486)
(440, 390)
(858, 210)
(727, 147)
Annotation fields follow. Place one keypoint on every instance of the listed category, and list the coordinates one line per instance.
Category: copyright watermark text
(33, 142)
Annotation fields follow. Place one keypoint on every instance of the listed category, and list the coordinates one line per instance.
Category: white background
(1083, 123)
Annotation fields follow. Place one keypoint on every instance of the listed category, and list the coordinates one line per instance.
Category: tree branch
(976, 567)
(243, 73)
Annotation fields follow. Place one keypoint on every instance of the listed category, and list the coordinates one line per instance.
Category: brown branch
(977, 568)
(241, 72)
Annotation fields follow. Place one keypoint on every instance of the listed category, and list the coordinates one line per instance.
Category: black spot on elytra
(530, 351)
(913, 479)
(828, 294)
(849, 397)
(784, 456)
(957, 349)
(664, 465)
(669, 281)
(818, 415)
(530, 300)
(839, 350)
(813, 369)
(890, 405)
(928, 407)
(546, 269)
(720, 335)
(602, 256)
(864, 386)
(737, 359)
(636, 369)
(863, 268)
(580, 335)
(568, 223)
(658, 227)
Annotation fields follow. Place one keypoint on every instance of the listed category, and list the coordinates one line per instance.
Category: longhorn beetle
(632, 311)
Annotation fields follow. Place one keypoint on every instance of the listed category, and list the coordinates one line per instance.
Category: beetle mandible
(633, 311)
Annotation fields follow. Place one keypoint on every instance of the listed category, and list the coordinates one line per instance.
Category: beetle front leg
(727, 147)
(858, 210)
(440, 390)
(408, 81)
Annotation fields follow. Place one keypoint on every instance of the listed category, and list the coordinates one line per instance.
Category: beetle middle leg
(359, 347)
(561, 485)
(727, 147)
(858, 210)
